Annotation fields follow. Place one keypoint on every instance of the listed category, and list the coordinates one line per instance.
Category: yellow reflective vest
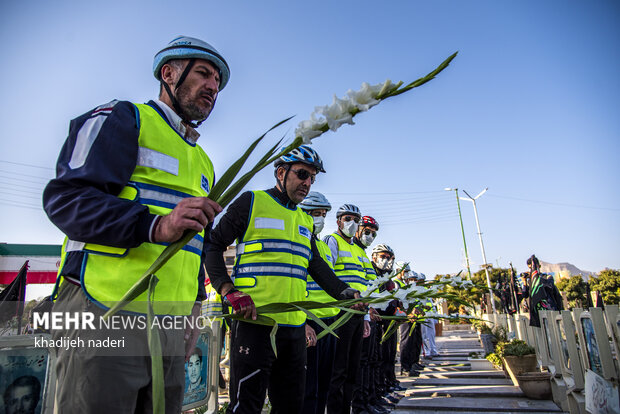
(348, 266)
(212, 306)
(272, 259)
(168, 169)
(366, 264)
(315, 292)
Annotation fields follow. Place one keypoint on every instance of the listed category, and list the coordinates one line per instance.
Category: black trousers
(319, 370)
(254, 369)
(365, 385)
(388, 357)
(346, 363)
(376, 366)
(410, 345)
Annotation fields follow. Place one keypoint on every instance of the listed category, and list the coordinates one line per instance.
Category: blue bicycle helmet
(303, 154)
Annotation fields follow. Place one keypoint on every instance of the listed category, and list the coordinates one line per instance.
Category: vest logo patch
(204, 184)
(304, 232)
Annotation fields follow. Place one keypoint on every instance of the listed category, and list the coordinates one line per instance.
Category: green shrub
(516, 347)
(494, 359)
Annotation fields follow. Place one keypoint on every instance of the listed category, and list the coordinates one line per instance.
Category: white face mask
(319, 222)
(384, 263)
(349, 228)
(367, 239)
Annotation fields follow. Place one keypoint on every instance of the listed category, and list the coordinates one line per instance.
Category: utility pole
(458, 203)
(484, 256)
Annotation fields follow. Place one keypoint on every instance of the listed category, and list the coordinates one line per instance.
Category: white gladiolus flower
(338, 113)
(364, 99)
(310, 128)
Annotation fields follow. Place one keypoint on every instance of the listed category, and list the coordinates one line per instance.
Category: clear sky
(530, 108)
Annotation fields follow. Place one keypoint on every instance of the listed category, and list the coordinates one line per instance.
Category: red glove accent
(238, 299)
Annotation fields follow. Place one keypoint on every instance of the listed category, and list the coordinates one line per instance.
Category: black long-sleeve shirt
(233, 225)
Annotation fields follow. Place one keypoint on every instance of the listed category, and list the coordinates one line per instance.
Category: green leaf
(421, 81)
(224, 182)
(317, 320)
(157, 363)
(392, 327)
(337, 324)
(272, 336)
(143, 283)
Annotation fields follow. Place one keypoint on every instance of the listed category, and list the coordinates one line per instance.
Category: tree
(608, 283)
(575, 289)
(473, 296)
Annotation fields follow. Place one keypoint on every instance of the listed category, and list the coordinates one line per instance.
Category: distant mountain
(562, 270)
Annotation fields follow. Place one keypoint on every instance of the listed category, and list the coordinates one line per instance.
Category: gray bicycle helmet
(315, 200)
(348, 209)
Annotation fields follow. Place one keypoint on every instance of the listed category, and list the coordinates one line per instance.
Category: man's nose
(212, 84)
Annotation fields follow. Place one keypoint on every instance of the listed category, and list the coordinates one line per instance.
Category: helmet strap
(173, 99)
(287, 168)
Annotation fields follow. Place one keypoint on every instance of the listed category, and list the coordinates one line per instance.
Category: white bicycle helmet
(382, 248)
(315, 200)
(184, 47)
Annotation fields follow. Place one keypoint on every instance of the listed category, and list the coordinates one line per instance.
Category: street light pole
(484, 256)
(458, 203)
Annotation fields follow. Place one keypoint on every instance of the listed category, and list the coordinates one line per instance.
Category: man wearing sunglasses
(275, 253)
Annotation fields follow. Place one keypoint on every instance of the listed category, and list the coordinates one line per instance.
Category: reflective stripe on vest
(271, 269)
(369, 271)
(168, 169)
(212, 306)
(274, 246)
(272, 259)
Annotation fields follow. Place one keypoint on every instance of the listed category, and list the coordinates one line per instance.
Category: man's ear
(168, 74)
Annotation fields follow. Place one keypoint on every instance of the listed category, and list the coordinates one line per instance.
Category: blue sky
(529, 108)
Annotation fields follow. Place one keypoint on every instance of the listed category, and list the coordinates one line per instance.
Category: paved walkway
(449, 385)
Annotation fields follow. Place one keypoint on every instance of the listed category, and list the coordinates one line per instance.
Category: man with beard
(275, 254)
(131, 180)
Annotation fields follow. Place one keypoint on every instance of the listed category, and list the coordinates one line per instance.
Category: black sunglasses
(369, 232)
(304, 175)
(349, 218)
